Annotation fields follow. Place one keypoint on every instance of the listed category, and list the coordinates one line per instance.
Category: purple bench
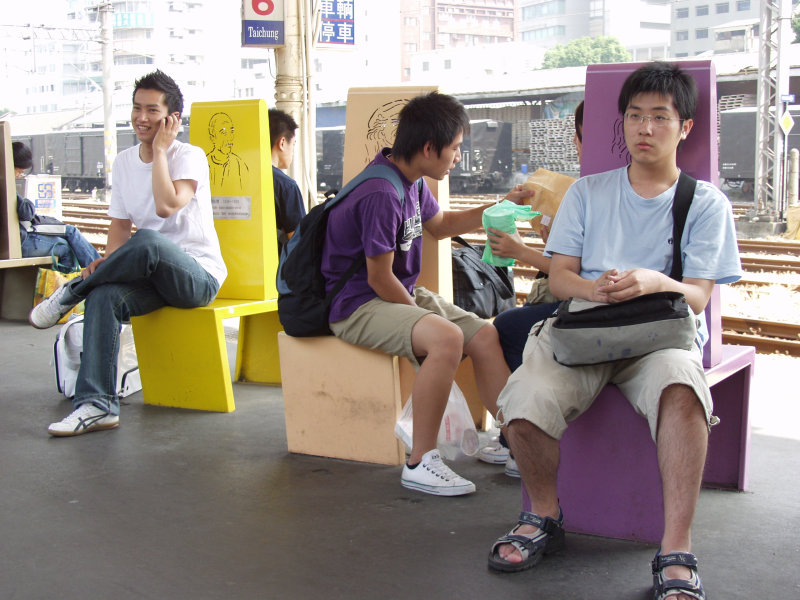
(608, 479)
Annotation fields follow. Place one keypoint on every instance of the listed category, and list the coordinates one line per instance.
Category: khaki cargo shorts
(549, 394)
(386, 326)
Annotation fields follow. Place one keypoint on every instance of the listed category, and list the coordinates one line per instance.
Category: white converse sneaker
(432, 476)
(494, 454)
(50, 310)
(87, 417)
(511, 468)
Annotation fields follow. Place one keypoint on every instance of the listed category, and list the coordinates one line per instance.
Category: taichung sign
(262, 22)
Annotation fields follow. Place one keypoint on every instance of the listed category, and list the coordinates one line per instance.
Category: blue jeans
(513, 326)
(37, 244)
(147, 272)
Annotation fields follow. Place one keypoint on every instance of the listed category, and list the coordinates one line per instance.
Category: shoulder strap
(370, 172)
(684, 194)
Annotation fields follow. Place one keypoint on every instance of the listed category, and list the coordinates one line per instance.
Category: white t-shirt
(609, 226)
(192, 227)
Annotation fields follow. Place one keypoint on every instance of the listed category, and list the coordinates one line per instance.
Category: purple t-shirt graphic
(371, 222)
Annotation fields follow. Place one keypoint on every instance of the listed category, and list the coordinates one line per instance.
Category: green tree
(586, 51)
(796, 28)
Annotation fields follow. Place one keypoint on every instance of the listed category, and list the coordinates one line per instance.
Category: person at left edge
(67, 248)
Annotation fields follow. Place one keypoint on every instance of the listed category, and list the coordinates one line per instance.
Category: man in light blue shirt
(612, 241)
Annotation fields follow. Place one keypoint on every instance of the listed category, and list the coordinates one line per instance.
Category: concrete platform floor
(190, 505)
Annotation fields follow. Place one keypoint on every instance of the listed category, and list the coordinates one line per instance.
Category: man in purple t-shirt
(380, 307)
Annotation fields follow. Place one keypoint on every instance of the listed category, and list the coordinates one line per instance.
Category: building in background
(714, 27)
(641, 26)
(373, 59)
(429, 25)
(55, 65)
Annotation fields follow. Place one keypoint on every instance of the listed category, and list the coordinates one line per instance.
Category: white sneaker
(511, 468)
(50, 310)
(87, 417)
(494, 454)
(432, 476)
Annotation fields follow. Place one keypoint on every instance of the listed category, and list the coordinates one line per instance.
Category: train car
(486, 159)
(77, 155)
(330, 158)
(737, 145)
(485, 167)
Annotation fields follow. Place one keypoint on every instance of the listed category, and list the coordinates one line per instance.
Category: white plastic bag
(457, 433)
(67, 359)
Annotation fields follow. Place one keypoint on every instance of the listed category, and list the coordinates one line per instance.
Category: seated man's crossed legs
(434, 336)
(144, 274)
(666, 387)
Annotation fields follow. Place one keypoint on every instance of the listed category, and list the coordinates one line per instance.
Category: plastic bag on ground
(457, 434)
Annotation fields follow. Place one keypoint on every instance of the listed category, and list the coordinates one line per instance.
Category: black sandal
(531, 547)
(663, 588)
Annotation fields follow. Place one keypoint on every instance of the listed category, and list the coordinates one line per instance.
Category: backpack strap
(684, 194)
(371, 172)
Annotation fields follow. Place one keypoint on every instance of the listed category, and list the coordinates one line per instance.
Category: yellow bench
(17, 274)
(183, 357)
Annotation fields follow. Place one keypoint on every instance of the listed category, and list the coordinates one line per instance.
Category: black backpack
(303, 304)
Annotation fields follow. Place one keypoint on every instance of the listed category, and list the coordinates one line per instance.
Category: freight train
(737, 148)
(77, 155)
(485, 167)
(487, 157)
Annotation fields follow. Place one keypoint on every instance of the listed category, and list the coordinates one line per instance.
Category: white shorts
(549, 394)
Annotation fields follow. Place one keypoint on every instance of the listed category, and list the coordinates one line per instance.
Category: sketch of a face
(220, 130)
(618, 147)
(227, 170)
(382, 127)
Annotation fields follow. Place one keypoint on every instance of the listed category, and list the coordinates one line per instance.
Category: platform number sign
(337, 27)
(263, 7)
(262, 22)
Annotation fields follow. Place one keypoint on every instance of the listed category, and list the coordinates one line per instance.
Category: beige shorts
(549, 394)
(386, 326)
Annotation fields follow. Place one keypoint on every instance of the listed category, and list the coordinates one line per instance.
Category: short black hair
(23, 158)
(158, 80)
(281, 124)
(435, 118)
(579, 121)
(663, 78)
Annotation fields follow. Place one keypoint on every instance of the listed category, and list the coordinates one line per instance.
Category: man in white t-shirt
(160, 185)
(612, 241)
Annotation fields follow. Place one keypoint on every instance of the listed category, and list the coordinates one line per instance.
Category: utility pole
(293, 91)
(773, 80)
(109, 124)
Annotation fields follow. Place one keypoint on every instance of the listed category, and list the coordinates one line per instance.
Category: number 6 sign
(263, 7)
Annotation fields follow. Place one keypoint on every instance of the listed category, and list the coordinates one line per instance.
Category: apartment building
(714, 26)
